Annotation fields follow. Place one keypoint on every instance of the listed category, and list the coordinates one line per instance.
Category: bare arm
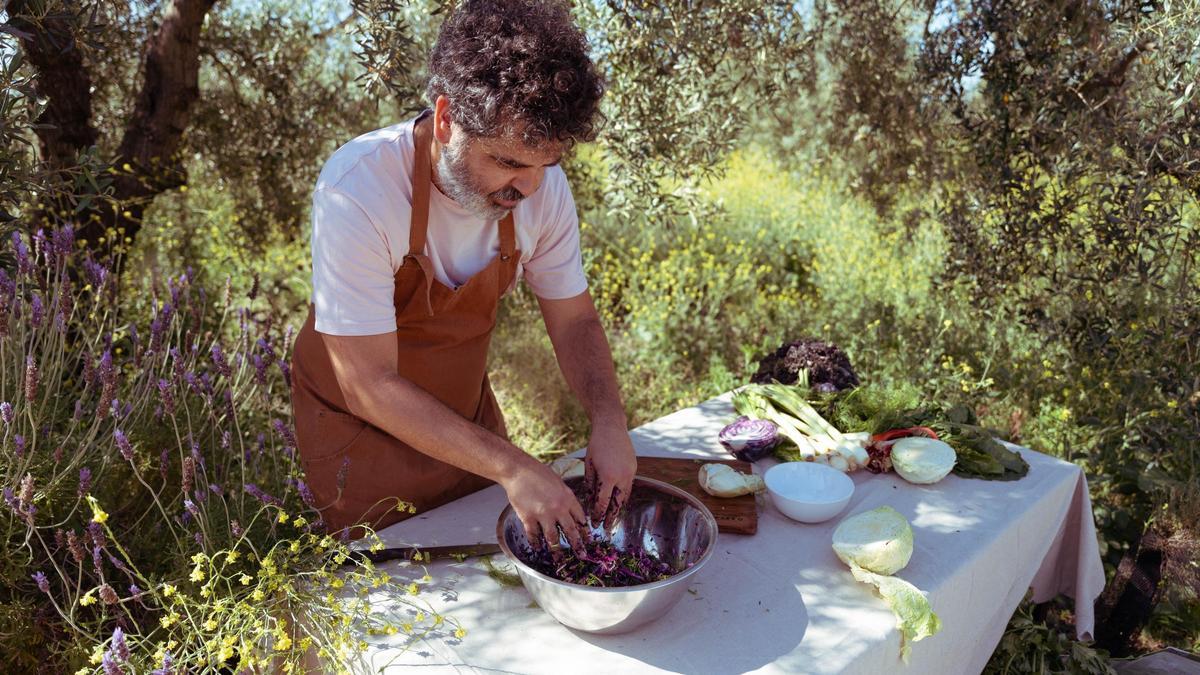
(585, 359)
(366, 369)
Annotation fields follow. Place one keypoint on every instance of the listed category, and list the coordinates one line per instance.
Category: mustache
(508, 194)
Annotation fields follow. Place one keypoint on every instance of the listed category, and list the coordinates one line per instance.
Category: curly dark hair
(512, 66)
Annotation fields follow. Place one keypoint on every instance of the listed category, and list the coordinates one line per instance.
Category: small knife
(433, 552)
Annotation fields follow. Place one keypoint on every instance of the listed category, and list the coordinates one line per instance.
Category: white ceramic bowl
(807, 491)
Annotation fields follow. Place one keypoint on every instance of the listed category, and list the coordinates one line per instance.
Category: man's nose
(526, 182)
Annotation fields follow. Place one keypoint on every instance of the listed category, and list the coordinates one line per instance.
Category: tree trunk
(154, 131)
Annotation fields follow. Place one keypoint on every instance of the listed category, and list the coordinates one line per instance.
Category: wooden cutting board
(737, 515)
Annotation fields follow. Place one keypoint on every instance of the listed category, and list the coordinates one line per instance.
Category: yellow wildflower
(87, 599)
(245, 579)
(283, 643)
(169, 590)
(197, 575)
(232, 556)
(283, 517)
(98, 514)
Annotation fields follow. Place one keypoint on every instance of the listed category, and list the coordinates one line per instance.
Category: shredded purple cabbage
(600, 564)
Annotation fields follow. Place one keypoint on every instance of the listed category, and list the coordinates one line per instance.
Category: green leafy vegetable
(914, 617)
(877, 409)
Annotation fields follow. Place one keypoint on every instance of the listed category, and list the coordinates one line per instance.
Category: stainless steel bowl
(664, 520)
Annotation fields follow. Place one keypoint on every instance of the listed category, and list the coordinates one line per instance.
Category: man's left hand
(611, 464)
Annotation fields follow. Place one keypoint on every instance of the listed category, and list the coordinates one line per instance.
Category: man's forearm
(586, 362)
(419, 419)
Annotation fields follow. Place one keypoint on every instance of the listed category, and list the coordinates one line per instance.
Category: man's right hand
(543, 503)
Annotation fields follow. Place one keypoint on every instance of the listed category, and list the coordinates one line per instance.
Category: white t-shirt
(360, 219)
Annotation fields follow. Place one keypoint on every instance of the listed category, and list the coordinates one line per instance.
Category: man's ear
(441, 119)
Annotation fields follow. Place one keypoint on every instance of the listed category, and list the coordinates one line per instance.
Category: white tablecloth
(779, 600)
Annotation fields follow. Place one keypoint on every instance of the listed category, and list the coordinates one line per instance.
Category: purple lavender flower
(116, 562)
(96, 532)
(189, 378)
(98, 561)
(66, 304)
(167, 666)
(218, 359)
(39, 242)
(236, 528)
(31, 378)
(289, 438)
(111, 667)
(11, 499)
(215, 489)
(19, 442)
(199, 537)
(123, 445)
(118, 644)
(134, 590)
(260, 369)
(178, 367)
(108, 383)
(38, 309)
(225, 438)
(287, 372)
(62, 241)
(97, 274)
(256, 492)
(191, 508)
(42, 582)
(342, 473)
(24, 264)
(305, 493)
(78, 414)
(85, 481)
(6, 412)
(58, 454)
(75, 547)
(265, 345)
(166, 396)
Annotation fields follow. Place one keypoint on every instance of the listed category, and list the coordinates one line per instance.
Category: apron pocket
(329, 434)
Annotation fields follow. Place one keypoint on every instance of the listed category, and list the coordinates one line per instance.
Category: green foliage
(1031, 646)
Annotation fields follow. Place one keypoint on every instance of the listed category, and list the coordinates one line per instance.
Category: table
(779, 600)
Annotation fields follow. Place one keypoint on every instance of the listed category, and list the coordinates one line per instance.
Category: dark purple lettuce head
(828, 366)
(749, 440)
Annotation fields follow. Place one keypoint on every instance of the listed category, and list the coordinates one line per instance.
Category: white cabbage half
(876, 544)
(922, 460)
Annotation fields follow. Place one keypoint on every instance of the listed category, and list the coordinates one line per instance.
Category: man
(418, 230)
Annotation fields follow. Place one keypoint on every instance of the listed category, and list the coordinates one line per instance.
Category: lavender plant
(155, 518)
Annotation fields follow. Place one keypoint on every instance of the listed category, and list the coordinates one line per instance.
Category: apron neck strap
(508, 237)
(421, 180)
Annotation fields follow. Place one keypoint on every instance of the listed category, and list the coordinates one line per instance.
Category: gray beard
(458, 184)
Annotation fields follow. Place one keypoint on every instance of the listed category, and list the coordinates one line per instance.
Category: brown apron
(356, 471)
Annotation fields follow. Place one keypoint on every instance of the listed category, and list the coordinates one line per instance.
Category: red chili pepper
(904, 433)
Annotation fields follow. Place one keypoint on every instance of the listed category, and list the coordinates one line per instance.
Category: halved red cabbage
(749, 440)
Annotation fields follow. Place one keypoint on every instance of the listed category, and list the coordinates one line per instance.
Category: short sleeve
(555, 270)
(353, 282)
